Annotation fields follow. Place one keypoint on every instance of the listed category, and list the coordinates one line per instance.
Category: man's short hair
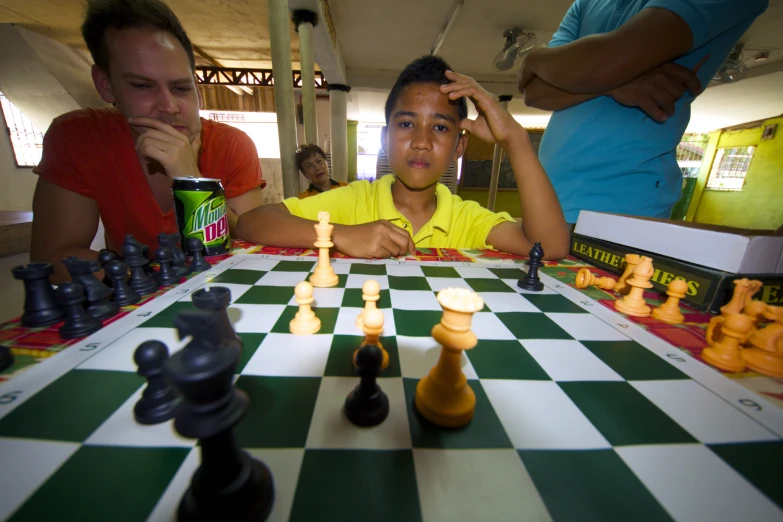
(306, 152)
(427, 69)
(124, 14)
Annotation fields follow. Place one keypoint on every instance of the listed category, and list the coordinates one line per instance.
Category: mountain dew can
(200, 205)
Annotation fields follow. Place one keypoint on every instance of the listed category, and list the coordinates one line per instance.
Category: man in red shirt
(118, 164)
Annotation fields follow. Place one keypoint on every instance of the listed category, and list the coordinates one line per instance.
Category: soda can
(200, 205)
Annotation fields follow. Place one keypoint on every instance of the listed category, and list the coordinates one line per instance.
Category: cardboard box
(730, 250)
(708, 289)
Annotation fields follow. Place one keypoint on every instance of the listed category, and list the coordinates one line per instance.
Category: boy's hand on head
(377, 239)
(494, 123)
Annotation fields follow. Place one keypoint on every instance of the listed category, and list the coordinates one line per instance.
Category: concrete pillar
(305, 20)
(284, 93)
(497, 159)
(353, 149)
(338, 103)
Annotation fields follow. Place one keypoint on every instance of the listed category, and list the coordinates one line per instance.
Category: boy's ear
(462, 144)
(383, 140)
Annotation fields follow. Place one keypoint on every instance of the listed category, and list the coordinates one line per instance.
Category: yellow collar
(440, 220)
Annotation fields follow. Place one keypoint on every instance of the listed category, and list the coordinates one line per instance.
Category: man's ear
(462, 144)
(102, 84)
(384, 145)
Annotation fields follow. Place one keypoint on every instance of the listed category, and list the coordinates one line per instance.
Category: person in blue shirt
(620, 76)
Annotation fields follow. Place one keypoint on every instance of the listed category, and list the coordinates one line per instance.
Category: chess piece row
(85, 302)
(632, 284)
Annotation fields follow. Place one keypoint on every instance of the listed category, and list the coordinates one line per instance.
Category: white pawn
(371, 292)
(372, 325)
(305, 322)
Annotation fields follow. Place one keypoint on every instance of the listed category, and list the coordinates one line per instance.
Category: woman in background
(311, 161)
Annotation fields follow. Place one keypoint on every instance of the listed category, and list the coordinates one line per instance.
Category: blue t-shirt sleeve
(569, 27)
(710, 18)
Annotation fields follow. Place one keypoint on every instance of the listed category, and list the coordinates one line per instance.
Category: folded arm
(274, 225)
(547, 97)
(598, 63)
(241, 204)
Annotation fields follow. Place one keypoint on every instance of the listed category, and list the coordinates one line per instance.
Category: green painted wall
(760, 203)
(505, 201)
(353, 149)
(704, 173)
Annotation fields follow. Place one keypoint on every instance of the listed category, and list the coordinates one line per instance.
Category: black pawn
(158, 402)
(117, 271)
(78, 322)
(229, 484)
(166, 275)
(179, 259)
(98, 304)
(40, 303)
(145, 253)
(367, 405)
(196, 248)
(531, 281)
(217, 298)
(6, 359)
(140, 281)
(104, 258)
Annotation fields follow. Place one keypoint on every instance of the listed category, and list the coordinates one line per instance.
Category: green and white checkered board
(580, 414)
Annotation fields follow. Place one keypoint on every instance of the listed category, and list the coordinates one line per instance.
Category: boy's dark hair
(427, 69)
(123, 14)
(306, 152)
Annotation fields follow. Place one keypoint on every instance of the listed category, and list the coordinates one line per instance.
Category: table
(581, 413)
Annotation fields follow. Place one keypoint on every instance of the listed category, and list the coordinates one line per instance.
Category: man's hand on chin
(163, 143)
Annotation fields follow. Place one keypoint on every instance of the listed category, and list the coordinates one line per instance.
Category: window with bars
(690, 154)
(729, 168)
(26, 139)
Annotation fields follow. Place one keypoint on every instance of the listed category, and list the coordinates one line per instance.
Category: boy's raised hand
(494, 123)
(377, 239)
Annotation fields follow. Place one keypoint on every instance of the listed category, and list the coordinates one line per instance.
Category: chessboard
(580, 414)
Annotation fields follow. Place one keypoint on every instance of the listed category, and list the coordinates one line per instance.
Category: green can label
(202, 213)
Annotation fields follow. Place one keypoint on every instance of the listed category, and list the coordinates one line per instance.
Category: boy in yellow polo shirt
(425, 114)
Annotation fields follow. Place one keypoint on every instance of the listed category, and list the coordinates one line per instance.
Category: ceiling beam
(446, 28)
(248, 78)
(383, 80)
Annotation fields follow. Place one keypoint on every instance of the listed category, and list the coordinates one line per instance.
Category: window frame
(716, 175)
(36, 134)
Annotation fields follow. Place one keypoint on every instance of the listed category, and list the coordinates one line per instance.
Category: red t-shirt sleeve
(57, 165)
(242, 168)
